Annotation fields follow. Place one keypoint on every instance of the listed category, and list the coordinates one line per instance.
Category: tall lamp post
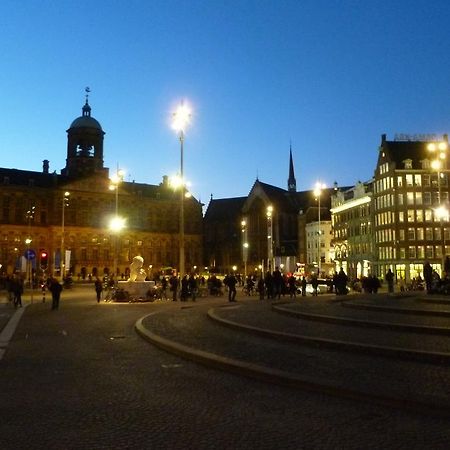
(117, 223)
(269, 214)
(62, 264)
(317, 193)
(439, 151)
(244, 246)
(180, 120)
(28, 240)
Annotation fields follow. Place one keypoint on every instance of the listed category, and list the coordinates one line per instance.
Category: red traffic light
(43, 260)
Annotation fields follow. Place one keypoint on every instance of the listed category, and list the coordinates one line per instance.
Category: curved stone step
(360, 376)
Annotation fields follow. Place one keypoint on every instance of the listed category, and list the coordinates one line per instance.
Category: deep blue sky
(328, 76)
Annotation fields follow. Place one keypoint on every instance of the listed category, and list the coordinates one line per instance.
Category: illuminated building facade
(410, 190)
(34, 206)
(352, 225)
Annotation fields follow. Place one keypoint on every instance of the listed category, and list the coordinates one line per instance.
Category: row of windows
(410, 180)
(418, 215)
(362, 229)
(412, 198)
(412, 252)
(354, 213)
(412, 234)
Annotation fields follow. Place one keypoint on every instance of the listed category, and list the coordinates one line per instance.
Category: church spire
(292, 184)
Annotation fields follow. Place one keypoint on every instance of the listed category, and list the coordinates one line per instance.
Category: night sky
(327, 77)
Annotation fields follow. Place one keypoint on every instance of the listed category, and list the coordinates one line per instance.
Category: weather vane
(87, 90)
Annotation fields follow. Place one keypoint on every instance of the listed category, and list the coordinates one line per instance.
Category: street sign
(30, 254)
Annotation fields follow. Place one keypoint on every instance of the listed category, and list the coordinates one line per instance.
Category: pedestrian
(315, 285)
(192, 284)
(304, 286)
(184, 293)
(98, 288)
(261, 288)
(174, 287)
(292, 286)
(268, 281)
(18, 291)
(10, 288)
(389, 277)
(164, 288)
(428, 275)
(55, 288)
(277, 282)
(231, 283)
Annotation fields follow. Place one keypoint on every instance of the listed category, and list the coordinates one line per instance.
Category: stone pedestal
(137, 289)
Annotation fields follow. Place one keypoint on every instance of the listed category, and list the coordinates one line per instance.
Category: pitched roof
(224, 208)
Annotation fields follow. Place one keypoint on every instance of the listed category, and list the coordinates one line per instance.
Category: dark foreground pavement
(82, 378)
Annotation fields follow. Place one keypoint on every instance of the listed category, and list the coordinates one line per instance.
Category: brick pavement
(80, 378)
(408, 382)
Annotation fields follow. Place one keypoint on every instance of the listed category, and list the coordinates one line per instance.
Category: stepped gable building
(264, 229)
(34, 206)
(410, 202)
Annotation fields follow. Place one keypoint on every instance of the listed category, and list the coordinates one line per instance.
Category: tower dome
(85, 120)
(84, 145)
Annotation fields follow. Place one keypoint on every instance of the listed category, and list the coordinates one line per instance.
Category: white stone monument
(136, 286)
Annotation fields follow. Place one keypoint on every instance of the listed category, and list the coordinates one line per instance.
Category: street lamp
(244, 246)
(180, 120)
(269, 213)
(28, 240)
(62, 264)
(115, 180)
(117, 223)
(439, 151)
(319, 187)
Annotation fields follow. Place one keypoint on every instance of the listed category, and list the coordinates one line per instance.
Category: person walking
(428, 275)
(389, 277)
(192, 282)
(292, 286)
(164, 288)
(231, 283)
(277, 282)
(261, 287)
(17, 291)
(315, 285)
(98, 288)
(55, 288)
(304, 286)
(184, 294)
(174, 287)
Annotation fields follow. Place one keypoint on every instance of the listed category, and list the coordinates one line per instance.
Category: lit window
(420, 252)
(409, 179)
(410, 198)
(399, 181)
(419, 215)
(418, 180)
(418, 198)
(419, 234)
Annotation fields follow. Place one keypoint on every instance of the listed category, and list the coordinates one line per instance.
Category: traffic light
(43, 261)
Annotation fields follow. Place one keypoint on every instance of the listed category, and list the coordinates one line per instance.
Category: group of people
(15, 288)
